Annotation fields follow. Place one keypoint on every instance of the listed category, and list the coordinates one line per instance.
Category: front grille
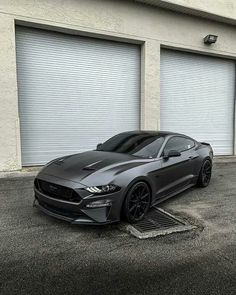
(57, 191)
(61, 211)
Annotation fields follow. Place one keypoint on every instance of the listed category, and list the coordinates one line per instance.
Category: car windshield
(140, 145)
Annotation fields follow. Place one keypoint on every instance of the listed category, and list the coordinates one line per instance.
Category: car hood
(80, 167)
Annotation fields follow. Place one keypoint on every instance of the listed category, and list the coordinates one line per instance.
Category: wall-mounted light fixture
(209, 39)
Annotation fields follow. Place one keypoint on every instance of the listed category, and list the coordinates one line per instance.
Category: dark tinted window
(141, 145)
(179, 144)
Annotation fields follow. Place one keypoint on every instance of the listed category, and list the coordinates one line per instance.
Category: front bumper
(78, 213)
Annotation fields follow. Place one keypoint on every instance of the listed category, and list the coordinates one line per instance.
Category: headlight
(103, 189)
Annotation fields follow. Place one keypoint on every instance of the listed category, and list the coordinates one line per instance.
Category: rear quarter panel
(205, 152)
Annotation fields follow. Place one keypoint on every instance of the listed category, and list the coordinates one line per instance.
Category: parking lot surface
(41, 255)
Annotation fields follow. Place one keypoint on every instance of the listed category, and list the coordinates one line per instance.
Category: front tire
(205, 174)
(137, 202)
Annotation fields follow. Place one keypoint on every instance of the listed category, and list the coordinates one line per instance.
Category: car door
(177, 172)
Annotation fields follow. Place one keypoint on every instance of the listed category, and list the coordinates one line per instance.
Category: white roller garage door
(197, 98)
(74, 92)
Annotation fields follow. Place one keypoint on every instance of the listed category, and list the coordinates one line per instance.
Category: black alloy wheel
(205, 174)
(137, 202)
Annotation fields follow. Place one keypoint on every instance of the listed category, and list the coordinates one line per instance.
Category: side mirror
(99, 146)
(171, 154)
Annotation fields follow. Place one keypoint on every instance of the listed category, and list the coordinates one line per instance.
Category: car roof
(154, 133)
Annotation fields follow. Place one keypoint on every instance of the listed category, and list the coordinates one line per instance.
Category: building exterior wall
(212, 8)
(152, 27)
(226, 8)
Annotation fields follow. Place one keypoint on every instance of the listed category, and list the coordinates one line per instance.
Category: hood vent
(91, 167)
(87, 168)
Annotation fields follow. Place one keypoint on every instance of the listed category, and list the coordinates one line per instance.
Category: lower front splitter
(74, 220)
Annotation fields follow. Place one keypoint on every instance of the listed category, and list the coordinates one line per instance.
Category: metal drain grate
(156, 220)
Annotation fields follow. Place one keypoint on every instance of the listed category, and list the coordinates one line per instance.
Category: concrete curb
(225, 159)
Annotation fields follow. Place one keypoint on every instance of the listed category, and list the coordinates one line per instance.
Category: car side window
(179, 143)
(151, 149)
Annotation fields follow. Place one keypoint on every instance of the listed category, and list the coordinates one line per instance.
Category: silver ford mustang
(122, 178)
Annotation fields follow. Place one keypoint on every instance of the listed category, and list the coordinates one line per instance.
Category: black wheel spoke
(144, 202)
(139, 201)
(142, 191)
(132, 208)
(206, 173)
(142, 209)
(133, 196)
(133, 201)
(136, 211)
(144, 196)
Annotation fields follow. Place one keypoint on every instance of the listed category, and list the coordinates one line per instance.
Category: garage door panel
(73, 92)
(197, 98)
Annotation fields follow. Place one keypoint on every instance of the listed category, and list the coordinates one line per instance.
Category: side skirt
(158, 201)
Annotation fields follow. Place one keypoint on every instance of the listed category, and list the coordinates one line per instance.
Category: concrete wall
(120, 20)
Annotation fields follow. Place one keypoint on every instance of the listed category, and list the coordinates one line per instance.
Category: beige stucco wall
(9, 124)
(225, 8)
(121, 20)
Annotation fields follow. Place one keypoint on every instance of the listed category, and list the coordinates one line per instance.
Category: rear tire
(205, 174)
(137, 202)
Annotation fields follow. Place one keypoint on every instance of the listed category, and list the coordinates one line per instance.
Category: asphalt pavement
(42, 255)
